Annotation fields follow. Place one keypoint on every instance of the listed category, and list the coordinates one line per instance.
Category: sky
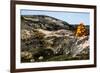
(70, 17)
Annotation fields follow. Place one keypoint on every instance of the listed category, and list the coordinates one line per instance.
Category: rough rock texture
(45, 38)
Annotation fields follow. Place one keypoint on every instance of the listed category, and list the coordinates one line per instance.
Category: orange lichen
(81, 30)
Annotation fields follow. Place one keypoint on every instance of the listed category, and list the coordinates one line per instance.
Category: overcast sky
(70, 17)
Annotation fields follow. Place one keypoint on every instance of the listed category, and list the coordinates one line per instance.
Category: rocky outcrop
(43, 38)
(44, 22)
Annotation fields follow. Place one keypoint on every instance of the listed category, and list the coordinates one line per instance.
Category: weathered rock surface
(44, 37)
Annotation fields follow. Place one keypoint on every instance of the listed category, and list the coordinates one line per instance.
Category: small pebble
(40, 58)
(32, 60)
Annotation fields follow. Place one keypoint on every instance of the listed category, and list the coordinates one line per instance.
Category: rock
(40, 58)
(43, 22)
(44, 37)
(32, 60)
(25, 34)
(43, 52)
(26, 56)
(81, 44)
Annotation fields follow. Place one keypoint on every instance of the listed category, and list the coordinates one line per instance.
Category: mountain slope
(45, 38)
(44, 22)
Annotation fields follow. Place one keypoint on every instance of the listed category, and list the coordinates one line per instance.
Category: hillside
(45, 38)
